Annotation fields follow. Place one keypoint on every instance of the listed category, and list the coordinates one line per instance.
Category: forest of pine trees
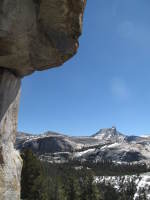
(44, 181)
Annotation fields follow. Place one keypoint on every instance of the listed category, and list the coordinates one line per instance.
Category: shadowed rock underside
(38, 34)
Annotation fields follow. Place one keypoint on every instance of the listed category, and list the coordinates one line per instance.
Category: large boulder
(34, 35)
(38, 34)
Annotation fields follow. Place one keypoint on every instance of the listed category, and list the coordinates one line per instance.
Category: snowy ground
(142, 181)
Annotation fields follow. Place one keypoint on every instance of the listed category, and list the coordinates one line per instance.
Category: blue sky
(107, 83)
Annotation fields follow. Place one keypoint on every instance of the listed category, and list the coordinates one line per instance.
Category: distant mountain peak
(106, 131)
(109, 134)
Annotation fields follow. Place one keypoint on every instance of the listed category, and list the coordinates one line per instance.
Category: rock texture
(10, 161)
(34, 35)
(38, 34)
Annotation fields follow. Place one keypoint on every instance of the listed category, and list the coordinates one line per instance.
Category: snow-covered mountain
(105, 144)
(110, 135)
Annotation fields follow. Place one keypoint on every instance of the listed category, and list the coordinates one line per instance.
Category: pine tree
(107, 192)
(88, 189)
(70, 187)
(142, 194)
(32, 181)
(92, 191)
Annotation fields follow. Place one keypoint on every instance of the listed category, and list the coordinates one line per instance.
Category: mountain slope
(107, 144)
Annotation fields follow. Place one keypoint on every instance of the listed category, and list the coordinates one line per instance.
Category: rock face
(38, 34)
(10, 161)
(34, 35)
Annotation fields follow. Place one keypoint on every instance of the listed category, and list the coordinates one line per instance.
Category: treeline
(70, 181)
(109, 168)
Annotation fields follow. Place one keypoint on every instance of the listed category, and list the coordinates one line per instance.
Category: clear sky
(107, 83)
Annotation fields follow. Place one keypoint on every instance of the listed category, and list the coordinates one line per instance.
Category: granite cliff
(34, 35)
